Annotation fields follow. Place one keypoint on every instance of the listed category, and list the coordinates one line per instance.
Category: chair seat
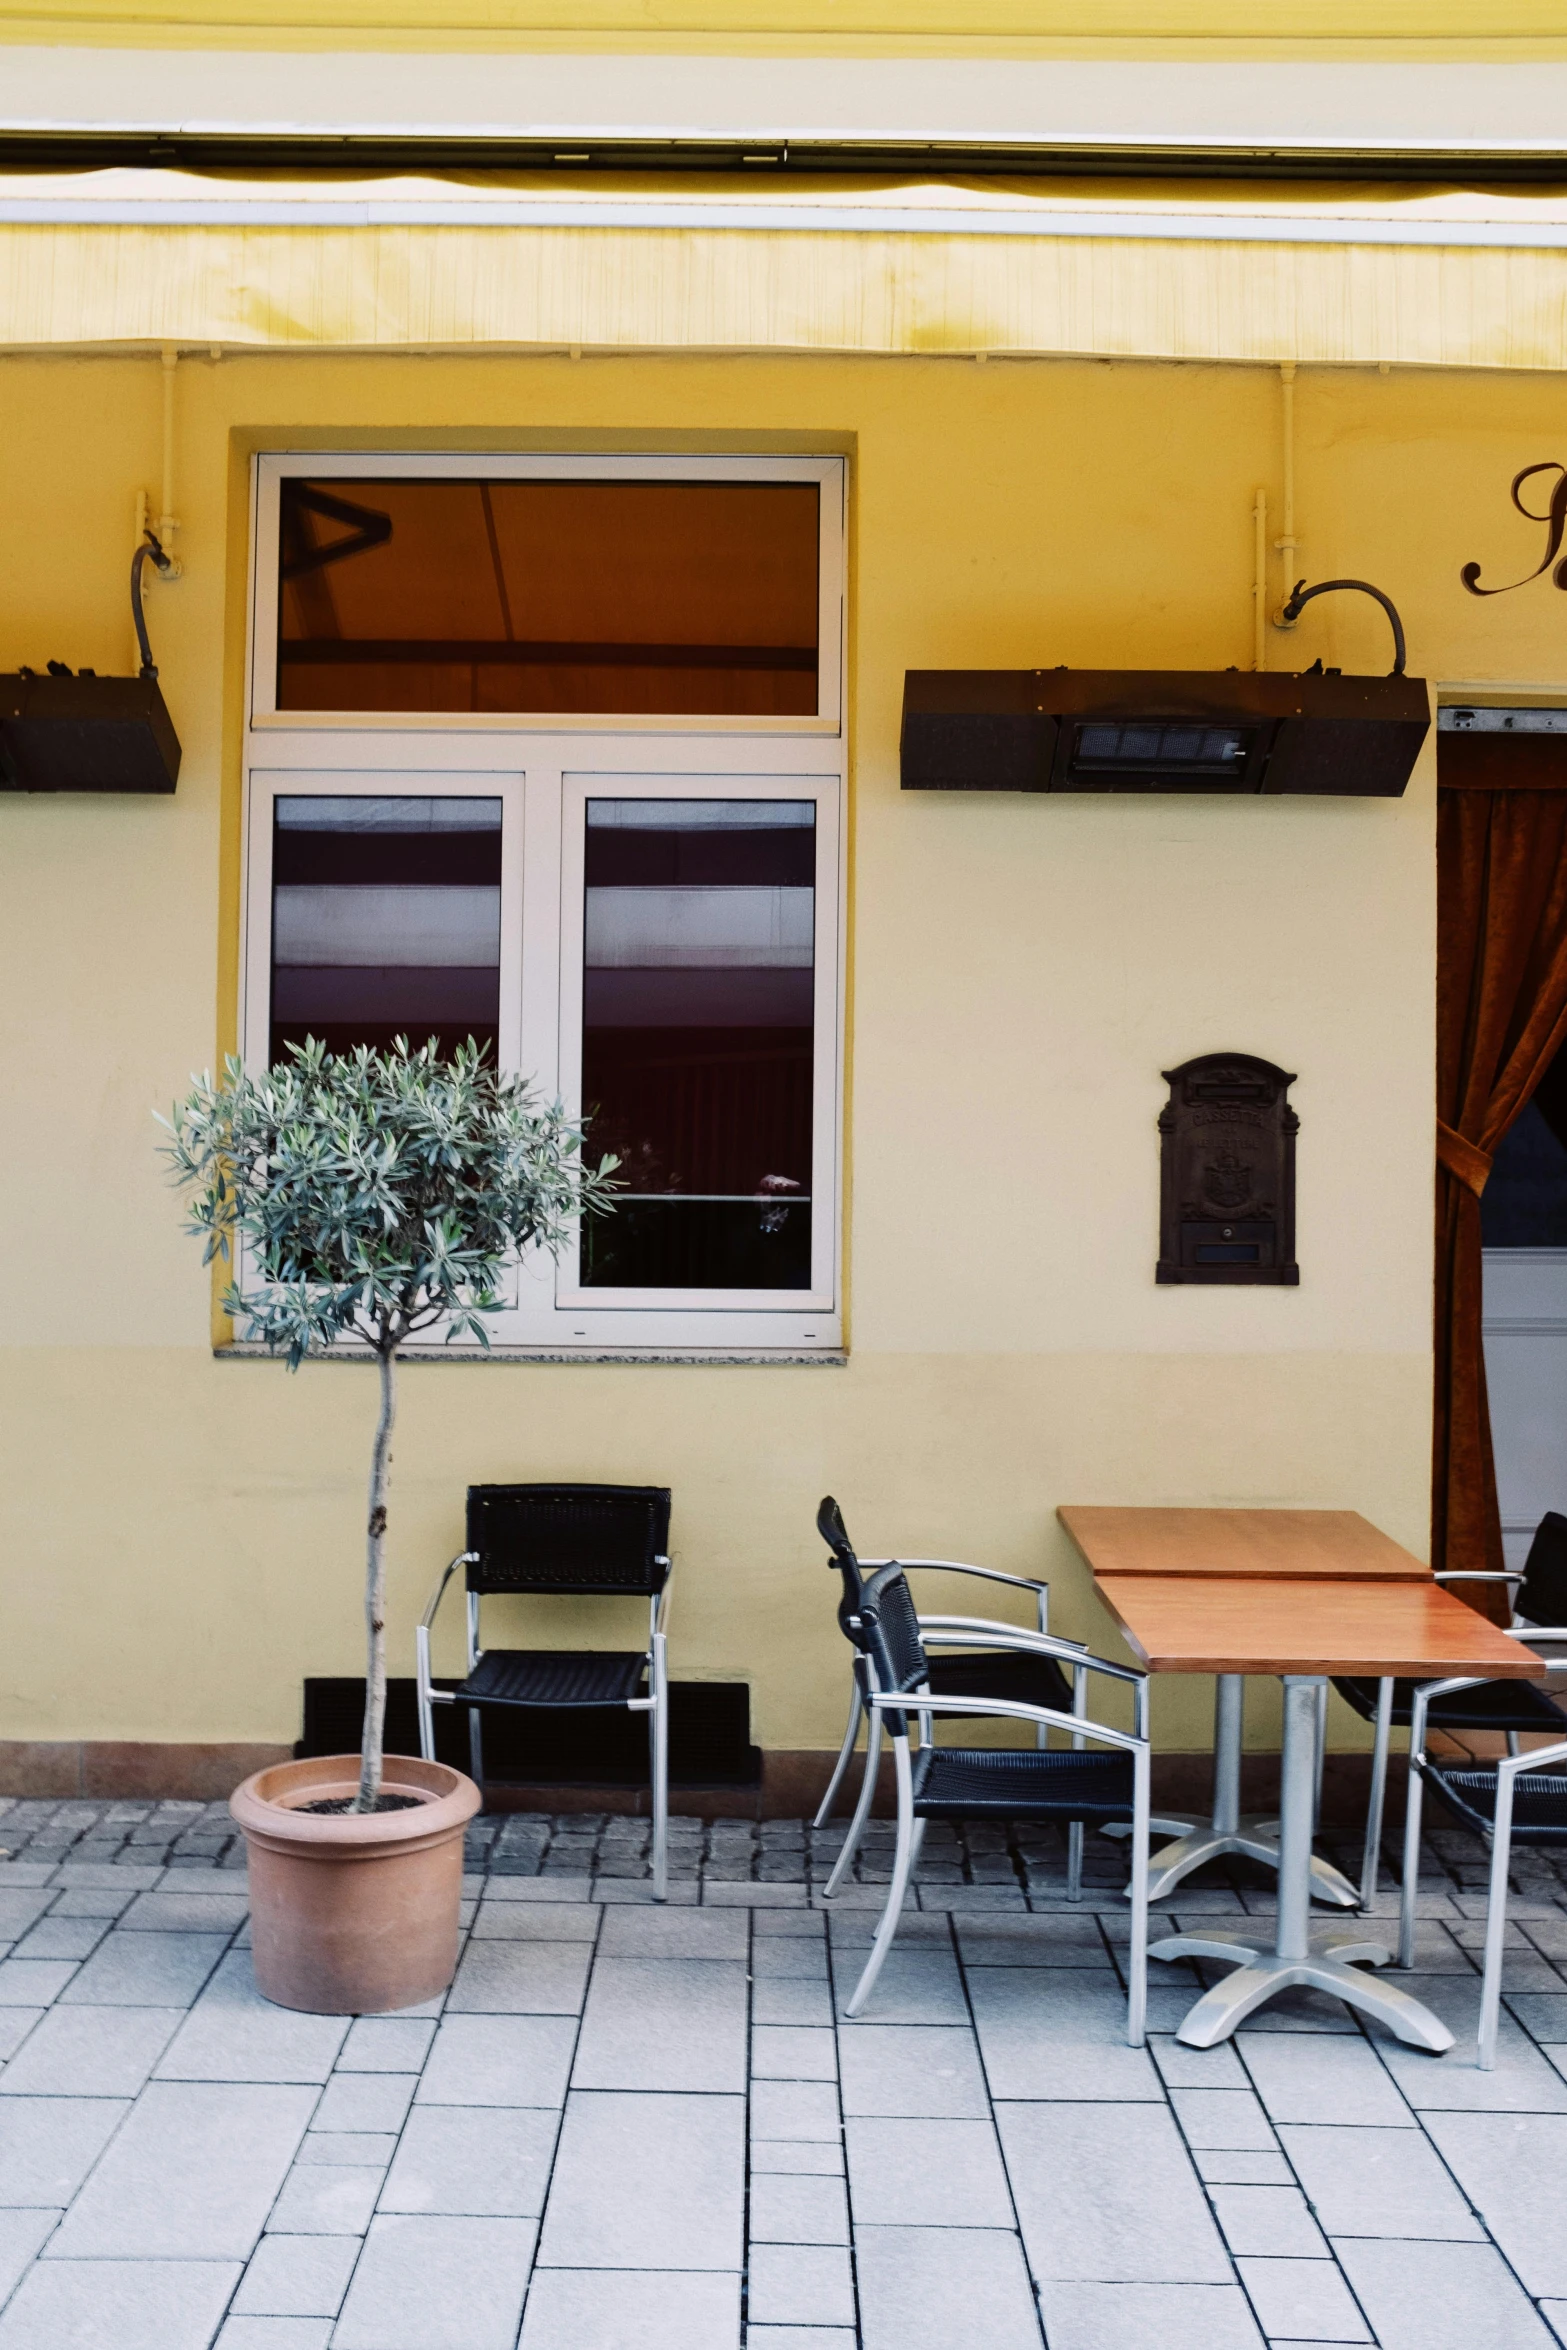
(1029, 1783)
(553, 1676)
(1003, 1673)
(1539, 1801)
(1493, 1705)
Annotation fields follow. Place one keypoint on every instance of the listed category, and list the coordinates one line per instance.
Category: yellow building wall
(181, 1535)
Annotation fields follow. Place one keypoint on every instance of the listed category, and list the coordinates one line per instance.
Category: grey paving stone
(15, 2024)
(91, 2052)
(795, 2110)
(786, 1926)
(1371, 2182)
(800, 2285)
(1542, 2014)
(1555, 2316)
(1176, 2317)
(233, 2034)
(679, 1933)
(670, 2169)
(27, 1874)
(1511, 2167)
(521, 1978)
(992, 1898)
(1302, 2301)
(385, 2044)
(100, 1876)
(87, 1904)
(499, 2060)
(591, 2309)
(716, 1893)
(809, 2157)
(488, 2162)
(1315, 2077)
(933, 2288)
(1107, 2194)
(326, 2199)
(916, 1986)
(1181, 2067)
(1524, 2080)
(49, 2144)
(191, 2175)
(33, 1982)
(798, 2208)
(145, 1970)
(1273, 2222)
(791, 2000)
(1441, 2297)
(72, 1938)
(536, 1921)
(185, 1912)
(364, 2101)
(913, 2071)
(793, 2053)
(22, 2235)
(21, 1909)
(1222, 2167)
(929, 2174)
(275, 2333)
(664, 2023)
(1061, 1938)
(790, 1961)
(621, 1891)
(297, 2276)
(121, 2304)
(348, 2149)
(1058, 2034)
(1232, 2119)
(432, 2283)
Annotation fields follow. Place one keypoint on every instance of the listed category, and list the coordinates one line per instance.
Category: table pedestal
(1331, 1963)
(1251, 1833)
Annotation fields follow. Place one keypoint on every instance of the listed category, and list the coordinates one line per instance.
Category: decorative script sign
(1227, 1173)
(1555, 521)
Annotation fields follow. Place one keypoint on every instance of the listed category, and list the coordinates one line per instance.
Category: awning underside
(1325, 275)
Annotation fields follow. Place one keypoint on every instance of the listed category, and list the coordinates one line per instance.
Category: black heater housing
(85, 734)
(1161, 730)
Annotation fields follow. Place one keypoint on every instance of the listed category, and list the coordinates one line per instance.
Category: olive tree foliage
(377, 1195)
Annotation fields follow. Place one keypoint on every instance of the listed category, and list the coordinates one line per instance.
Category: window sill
(828, 1358)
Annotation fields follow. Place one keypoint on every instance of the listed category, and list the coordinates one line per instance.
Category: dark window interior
(692, 598)
(1524, 1203)
(385, 921)
(697, 1040)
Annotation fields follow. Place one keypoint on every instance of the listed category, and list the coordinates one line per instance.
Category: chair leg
(1495, 1923)
(1074, 1861)
(1137, 1954)
(1372, 1862)
(856, 1709)
(1406, 1899)
(903, 1862)
(426, 1709)
(1322, 1751)
(475, 1746)
(658, 1757)
(862, 1810)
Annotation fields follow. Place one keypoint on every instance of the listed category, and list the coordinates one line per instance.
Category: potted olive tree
(377, 1195)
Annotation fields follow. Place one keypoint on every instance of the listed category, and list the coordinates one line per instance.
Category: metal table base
(1252, 1834)
(1330, 1964)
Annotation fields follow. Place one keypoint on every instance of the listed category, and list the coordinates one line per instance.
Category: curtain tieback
(1462, 1158)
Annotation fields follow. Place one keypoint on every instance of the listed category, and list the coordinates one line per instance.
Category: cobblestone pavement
(632, 2128)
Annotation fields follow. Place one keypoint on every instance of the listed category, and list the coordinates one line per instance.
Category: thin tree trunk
(374, 1736)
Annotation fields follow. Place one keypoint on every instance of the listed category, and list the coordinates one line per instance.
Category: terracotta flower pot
(354, 1913)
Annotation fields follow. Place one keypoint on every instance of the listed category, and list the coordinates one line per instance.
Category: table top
(1313, 1545)
(1269, 1624)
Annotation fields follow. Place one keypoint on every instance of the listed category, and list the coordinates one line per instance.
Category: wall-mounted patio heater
(84, 733)
(1167, 730)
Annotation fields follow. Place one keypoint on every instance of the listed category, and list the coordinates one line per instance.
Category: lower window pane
(698, 1046)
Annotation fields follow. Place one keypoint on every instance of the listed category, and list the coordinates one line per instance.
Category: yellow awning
(1350, 275)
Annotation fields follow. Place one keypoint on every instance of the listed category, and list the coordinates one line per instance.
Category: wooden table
(1304, 1631)
(1293, 1545)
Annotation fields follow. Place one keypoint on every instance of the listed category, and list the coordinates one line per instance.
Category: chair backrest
(831, 1528)
(890, 1633)
(568, 1538)
(1542, 1596)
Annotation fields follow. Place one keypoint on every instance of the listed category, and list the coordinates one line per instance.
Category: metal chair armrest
(1541, 1759)
(960, 1567)
(1080, 1725)
(464, 1558)
(1478, 1575)
(1534, 1632)
(965, 1631)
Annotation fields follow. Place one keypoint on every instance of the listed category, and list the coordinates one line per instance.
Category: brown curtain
(1501, 1015)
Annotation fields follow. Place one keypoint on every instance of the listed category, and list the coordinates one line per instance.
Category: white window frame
(544, 768)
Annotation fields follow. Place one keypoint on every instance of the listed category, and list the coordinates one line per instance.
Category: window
(525, 784)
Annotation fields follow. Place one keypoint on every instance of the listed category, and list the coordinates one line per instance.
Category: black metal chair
(983, 1671)
(563, 1540)
(1519, 1800)
(1512, 1708)
(1030, 1783)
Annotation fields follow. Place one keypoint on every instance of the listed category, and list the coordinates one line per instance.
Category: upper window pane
(626, 597)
